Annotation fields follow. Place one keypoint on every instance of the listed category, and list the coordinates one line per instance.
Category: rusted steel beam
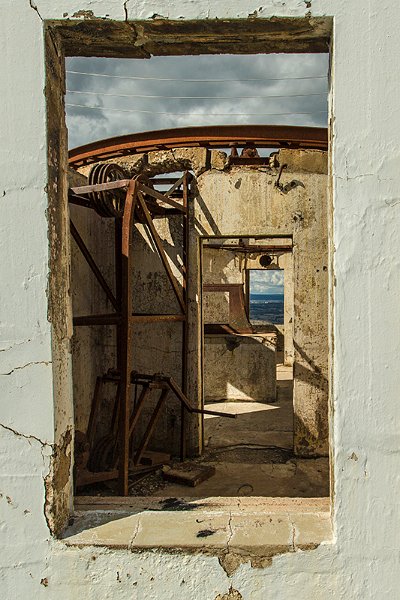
(138, 409)
(78, 200)
(100, 187)
(220, 136)
(161, 252)
(110, 319)
(156, 318)
(177, 183)
(185, 329)
(215, 413)
(164, 180)
(126, 335)
(159, 196)
(92, 264)
(150, 426)
(249, 248)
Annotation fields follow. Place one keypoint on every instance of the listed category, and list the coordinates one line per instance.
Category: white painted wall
(363, 562)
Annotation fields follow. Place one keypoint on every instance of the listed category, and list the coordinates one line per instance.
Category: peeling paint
(56, 482)
(360, 563)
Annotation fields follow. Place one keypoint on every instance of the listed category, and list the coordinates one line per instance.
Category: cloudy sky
(266, 282)
(132, 95)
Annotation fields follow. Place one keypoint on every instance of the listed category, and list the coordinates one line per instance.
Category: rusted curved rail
(263, 136)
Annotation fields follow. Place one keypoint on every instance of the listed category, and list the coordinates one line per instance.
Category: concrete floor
(253, 455)
(256, 424)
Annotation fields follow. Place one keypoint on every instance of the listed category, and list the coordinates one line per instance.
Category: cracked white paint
(362, 564)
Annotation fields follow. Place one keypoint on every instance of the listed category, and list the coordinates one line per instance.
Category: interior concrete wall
(240, 368)
(286, 263)
(362, 561)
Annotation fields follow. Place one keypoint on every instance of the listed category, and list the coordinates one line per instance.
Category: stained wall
(361, 562)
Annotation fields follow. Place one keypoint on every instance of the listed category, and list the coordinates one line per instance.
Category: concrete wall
(362, 561)
(240, 367)
(247, 202)
(235, 367)
(286, 263)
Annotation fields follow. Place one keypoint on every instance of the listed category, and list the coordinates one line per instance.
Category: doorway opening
(243, 361)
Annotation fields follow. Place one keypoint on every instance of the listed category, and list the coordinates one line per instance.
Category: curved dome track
(221, 136)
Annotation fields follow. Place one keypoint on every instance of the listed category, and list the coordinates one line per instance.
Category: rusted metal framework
(222, 136)
(129, 202)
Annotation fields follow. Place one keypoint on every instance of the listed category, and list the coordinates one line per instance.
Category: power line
(194, 97)
(151, 112)
(195, 80)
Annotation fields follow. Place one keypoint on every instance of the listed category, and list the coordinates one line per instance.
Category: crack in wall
(15, 345)
(125, 10)
(40, 362)
(293, 536)
(27, 437)
(136, 531)
(230, 531)
(35, 8)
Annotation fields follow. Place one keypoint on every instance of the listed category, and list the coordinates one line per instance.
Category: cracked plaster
(361, 563)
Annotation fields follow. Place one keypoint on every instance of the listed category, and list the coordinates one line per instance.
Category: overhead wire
(151, 112)
(138, 77)
(195, 97)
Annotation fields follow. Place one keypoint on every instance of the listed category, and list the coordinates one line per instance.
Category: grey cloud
(86, 125)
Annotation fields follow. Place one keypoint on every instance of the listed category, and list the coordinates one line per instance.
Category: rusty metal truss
(221, 136)
(131, 201)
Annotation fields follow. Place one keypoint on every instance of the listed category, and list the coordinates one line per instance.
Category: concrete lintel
(162, 37)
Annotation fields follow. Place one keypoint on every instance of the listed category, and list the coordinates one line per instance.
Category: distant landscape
(266, 308)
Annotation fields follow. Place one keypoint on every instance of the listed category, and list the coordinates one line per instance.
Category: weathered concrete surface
(220, 266)
(361, 562)
(272, 527)
(263, 425)
(240, 367)
(243, 202)
(196, 160)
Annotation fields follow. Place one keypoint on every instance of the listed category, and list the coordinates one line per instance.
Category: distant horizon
(280, 293)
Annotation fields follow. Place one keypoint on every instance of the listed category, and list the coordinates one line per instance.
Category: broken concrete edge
(255, 504)
(236, 535)
(56, 485)
(200, 160)
(56, 462)
(230, 557)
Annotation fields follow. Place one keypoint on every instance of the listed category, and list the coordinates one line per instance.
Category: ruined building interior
(178, 391)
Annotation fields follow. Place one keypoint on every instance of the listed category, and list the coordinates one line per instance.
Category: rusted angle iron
(77, 192)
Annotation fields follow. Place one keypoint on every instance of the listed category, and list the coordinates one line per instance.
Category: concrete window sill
(261, 526)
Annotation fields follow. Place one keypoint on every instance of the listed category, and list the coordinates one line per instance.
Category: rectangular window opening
(202, 420)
